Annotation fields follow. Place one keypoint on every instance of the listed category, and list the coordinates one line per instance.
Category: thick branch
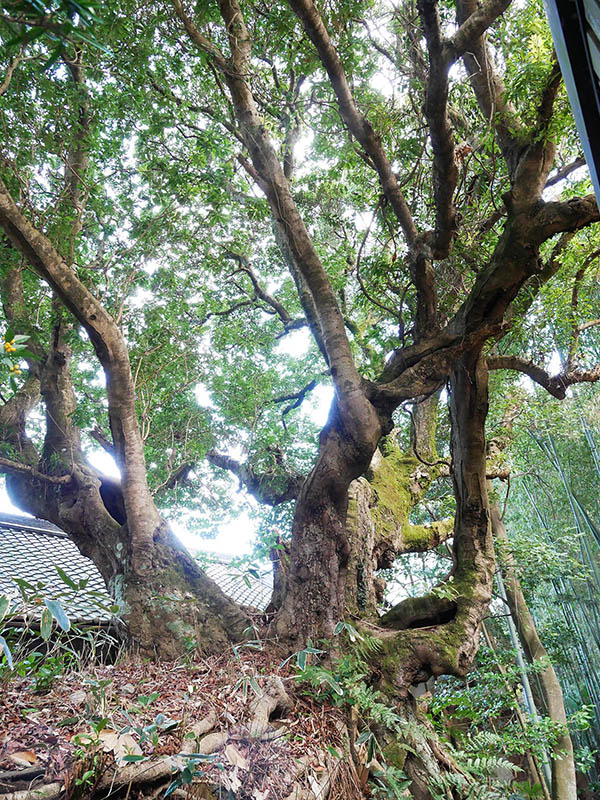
(536, 159)
(490, 90)
(14, 466)
(351, 400)
(112, 352)
(422, 538)
(445, 171)
(269, 488)
(203, 44)
(567, 215)
(564, 172)
(556, 385)
(103, 440)
(475, 26)
(357, 123)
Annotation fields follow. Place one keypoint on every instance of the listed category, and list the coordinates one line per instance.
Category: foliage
(39, 613)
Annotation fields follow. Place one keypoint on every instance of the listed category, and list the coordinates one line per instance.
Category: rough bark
(439, 633)
(379, 508)
(111, 349)
(315, 598)
(321, 560)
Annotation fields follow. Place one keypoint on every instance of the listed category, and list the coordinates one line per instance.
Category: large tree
(194, 185)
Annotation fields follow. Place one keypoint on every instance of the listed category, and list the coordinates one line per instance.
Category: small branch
(297, 398)
(224, 313)
(591, 324)
(294, 325)
(9, 73)
(14, 466)
(206, 110)
(259, 292)
(177, 476)
(577, 329)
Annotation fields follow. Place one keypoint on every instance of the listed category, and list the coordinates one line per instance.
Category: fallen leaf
(24, 758)
(78, 698)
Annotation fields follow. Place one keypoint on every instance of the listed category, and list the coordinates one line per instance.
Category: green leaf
(172, 786)
(67, 722)
(58, 613)
(6, 650)
(45, 624)
(330, 681)
(65, 578)
(3, 606)
(23, 584)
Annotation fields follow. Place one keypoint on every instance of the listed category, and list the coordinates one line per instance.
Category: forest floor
(235, 725)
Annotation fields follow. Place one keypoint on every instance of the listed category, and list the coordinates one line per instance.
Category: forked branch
(556, 385)
(271, 488)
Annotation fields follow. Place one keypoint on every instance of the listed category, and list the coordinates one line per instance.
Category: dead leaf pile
(237, 724)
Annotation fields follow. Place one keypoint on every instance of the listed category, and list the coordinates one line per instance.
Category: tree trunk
(315, 593)
(165, 599)
(439, 633)
(564, 786)
(173, 606)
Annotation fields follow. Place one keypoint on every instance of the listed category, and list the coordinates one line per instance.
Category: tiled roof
(247, 586)
(32, 549)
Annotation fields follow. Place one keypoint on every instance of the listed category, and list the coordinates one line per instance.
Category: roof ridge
(31, 524)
